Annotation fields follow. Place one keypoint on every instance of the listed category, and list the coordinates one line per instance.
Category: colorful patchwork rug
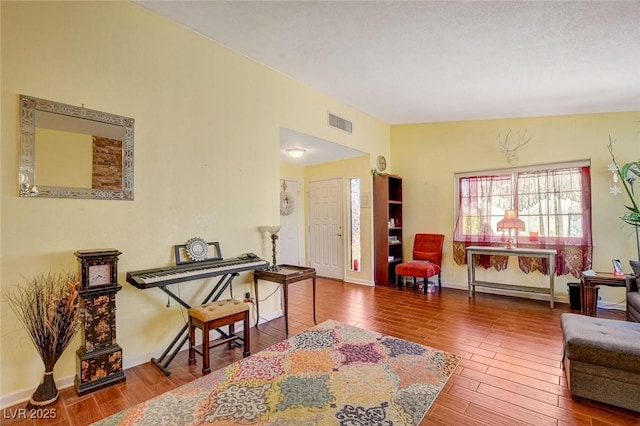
(331, 374)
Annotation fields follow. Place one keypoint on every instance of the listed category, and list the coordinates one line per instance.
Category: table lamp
(273, 230)
(510, 221)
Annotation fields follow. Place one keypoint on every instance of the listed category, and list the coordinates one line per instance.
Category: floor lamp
(273, 230)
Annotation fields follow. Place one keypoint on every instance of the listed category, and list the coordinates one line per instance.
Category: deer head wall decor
(510, 149)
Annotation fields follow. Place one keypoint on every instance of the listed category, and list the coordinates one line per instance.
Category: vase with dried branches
(49, 309)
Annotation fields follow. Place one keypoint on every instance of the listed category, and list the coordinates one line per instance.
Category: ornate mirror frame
(29, 106)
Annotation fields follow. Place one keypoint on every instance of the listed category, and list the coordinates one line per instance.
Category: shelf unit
(387, 240)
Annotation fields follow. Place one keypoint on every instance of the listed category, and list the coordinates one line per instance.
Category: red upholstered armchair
(428, 247)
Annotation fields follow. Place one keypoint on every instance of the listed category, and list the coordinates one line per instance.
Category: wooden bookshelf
(387, 239)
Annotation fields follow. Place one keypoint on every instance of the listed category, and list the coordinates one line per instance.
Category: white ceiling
(316, 150)
(427, 61)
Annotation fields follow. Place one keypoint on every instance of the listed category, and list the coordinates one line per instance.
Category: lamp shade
(510, 221)
(273, 230)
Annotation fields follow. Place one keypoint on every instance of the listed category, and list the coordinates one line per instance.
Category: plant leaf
(631, 170)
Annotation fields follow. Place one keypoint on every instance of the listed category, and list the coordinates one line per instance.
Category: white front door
(326, 252)
(290, 209)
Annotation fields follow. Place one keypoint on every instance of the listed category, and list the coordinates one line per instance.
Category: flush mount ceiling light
(295, 152)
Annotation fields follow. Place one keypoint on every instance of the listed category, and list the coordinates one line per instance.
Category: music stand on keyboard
(182, 257)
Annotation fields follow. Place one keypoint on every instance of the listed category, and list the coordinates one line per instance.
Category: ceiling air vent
(340, 123)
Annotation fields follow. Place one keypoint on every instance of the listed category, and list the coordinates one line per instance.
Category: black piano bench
(211, 316)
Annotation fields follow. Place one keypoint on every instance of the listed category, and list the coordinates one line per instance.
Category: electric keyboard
(156, 277)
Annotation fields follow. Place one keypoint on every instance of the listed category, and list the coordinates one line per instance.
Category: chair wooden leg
(212, 323)
(232, 331)
(205, 349)
(192, 343)
(247, 346)
(439, 284)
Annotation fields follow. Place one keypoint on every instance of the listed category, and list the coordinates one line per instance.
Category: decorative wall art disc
(286, 203)
(197, 249)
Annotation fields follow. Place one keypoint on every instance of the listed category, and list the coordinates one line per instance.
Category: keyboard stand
(181, 338)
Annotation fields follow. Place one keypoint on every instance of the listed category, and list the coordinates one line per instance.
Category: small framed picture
(617, 267)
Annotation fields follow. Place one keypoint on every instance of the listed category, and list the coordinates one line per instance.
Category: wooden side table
(589, 285)
(287, 274)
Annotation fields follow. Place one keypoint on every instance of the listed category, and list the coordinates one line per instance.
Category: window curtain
(554, 203)
(557, 204)
(481, 204)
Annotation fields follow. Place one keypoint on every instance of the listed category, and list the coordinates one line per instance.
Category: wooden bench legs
(207, 345)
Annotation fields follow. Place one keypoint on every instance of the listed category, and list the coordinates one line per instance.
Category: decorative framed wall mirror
(68, 151)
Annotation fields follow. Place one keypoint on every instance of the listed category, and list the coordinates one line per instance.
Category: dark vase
(47, 392)
(635, 265)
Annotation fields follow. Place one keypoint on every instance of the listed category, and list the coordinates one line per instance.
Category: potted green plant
(627, 174)
(48, 307)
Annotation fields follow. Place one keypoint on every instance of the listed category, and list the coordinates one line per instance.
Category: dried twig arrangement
(48, 307)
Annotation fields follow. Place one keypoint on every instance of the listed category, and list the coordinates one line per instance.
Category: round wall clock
(381, 163)
(286, 203)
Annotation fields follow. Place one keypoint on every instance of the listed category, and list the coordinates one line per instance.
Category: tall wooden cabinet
(387, 227)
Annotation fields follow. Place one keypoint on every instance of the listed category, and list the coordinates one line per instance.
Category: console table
(287, 274)
(589, 285)
(548, 254)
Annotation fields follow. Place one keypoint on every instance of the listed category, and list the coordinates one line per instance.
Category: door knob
(339, 235)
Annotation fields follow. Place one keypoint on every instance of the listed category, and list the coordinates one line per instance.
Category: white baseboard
(359, 282)
(65, 382)
(502, 292)
(622, 306)
(25, 394)
(557, 299)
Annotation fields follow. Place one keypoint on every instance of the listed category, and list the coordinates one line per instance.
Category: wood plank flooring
(511, 347)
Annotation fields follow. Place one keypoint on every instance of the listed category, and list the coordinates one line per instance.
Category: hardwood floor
(510, 373)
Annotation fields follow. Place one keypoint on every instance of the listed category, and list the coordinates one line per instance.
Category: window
(554, 201)
(355, 224)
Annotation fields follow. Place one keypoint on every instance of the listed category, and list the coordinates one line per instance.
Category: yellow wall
(206, 159)
(292, 172)
(428, 155)
(346, 169)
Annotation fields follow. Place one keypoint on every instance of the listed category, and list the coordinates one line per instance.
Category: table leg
(255, 292)
(286, 310)
(590, 302)
(470, 274)
(552, 273)
(313, 298)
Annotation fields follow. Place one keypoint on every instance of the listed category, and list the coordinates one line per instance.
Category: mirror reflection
(69, 151)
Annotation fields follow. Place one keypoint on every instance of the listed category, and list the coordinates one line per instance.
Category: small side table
(588, 286)
(287, 274)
